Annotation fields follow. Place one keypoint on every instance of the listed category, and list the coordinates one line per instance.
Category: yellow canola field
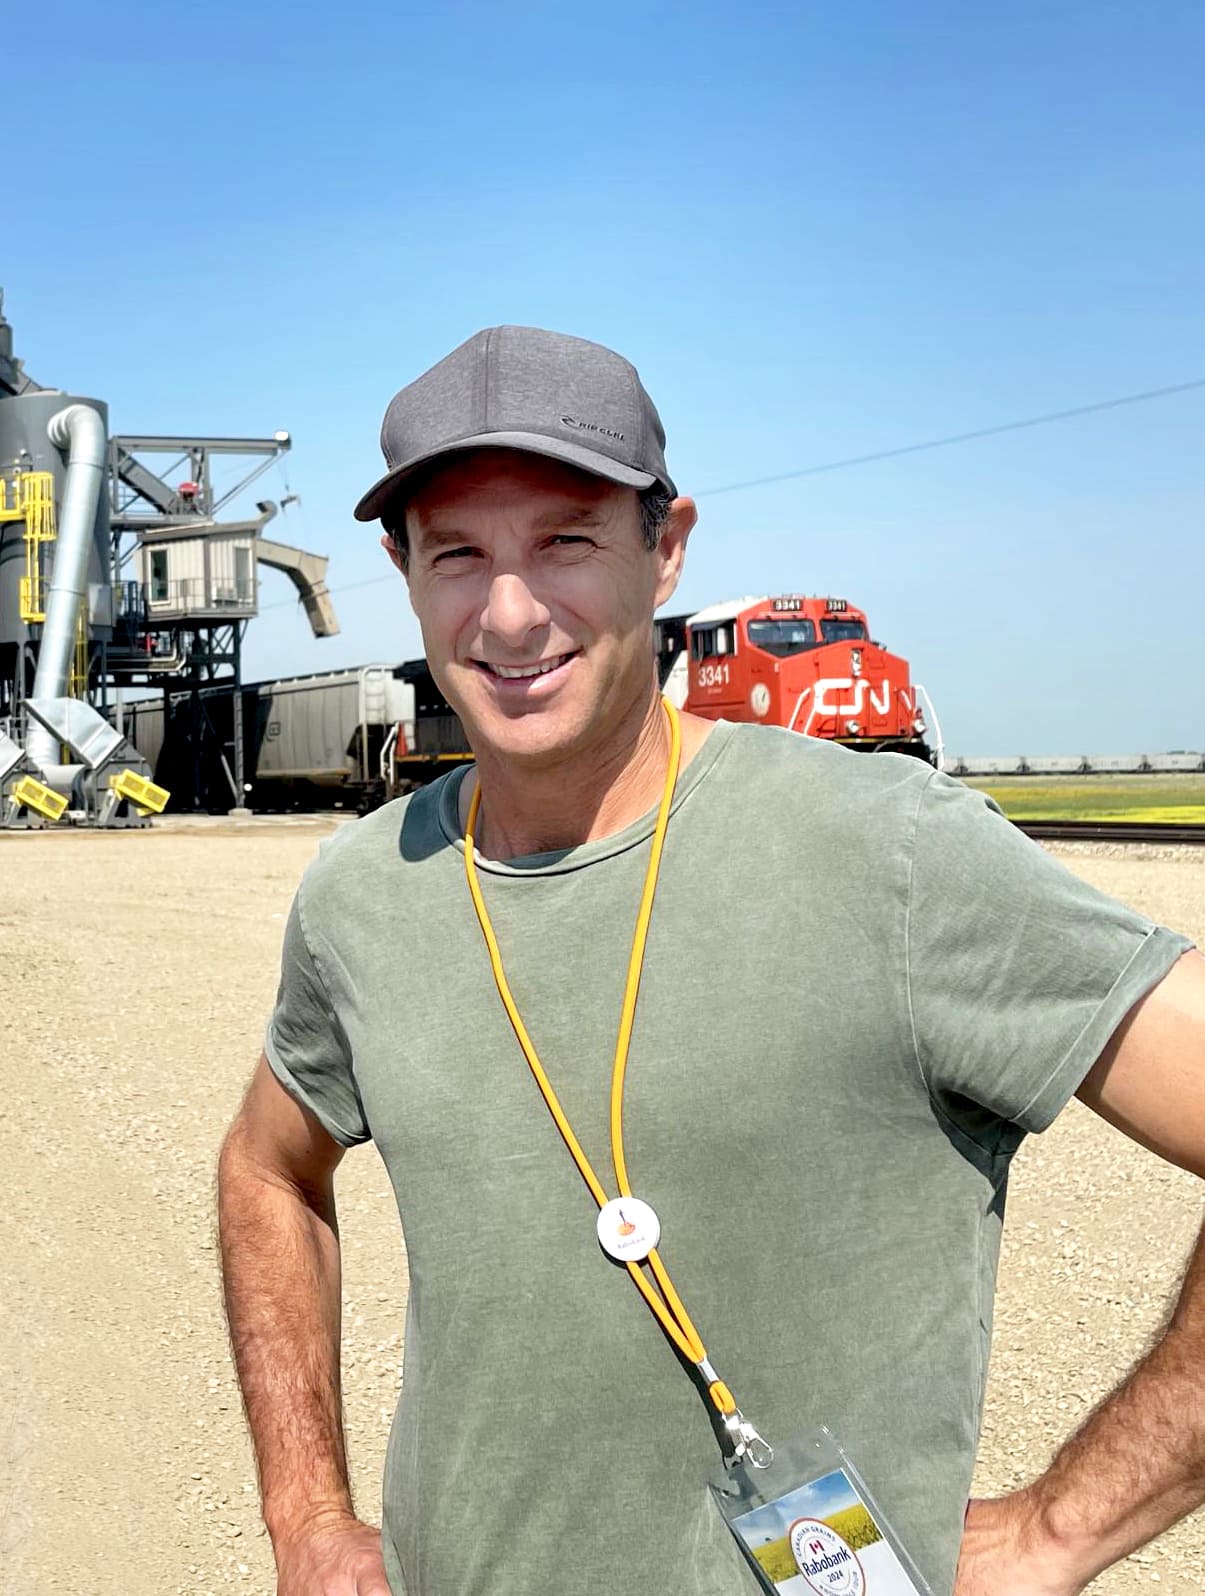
(1147, 800)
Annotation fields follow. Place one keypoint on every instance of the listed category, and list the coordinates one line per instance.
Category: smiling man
(535, 603)
(852, 990)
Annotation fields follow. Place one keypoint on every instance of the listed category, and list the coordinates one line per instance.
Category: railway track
(1112, 831)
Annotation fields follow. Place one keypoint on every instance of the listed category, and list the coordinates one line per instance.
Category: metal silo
(25, 447)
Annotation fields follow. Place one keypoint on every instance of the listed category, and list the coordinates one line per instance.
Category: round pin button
(628, 1229)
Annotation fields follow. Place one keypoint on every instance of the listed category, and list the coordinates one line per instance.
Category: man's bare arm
(282, 1278)
(1138, 1464)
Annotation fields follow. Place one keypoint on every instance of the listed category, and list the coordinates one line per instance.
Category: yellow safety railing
(77, 682)
(29, 497)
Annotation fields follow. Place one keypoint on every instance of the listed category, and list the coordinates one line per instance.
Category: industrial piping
(80, 431)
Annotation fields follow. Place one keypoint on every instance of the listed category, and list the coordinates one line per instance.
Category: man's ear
(399, 557)
(671, 551)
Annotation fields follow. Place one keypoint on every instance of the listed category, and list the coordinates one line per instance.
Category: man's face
(535, 595)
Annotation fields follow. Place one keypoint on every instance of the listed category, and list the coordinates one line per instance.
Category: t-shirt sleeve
(306, 1044)
(1018, 971)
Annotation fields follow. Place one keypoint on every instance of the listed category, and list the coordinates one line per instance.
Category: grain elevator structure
(119, 579)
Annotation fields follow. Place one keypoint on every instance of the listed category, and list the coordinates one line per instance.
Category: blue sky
(818, 229)
(819, 1499)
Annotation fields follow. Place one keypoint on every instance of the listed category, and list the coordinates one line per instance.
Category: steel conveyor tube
(80, 431)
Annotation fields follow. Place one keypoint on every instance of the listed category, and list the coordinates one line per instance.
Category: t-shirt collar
(586, 853)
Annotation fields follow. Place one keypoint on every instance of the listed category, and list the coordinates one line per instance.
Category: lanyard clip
(748, 1446)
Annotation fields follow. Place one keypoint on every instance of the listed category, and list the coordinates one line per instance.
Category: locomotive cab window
(784, 637)
(707, 642)
(842, 631)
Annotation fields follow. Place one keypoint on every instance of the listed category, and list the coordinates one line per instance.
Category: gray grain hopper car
(350, 737)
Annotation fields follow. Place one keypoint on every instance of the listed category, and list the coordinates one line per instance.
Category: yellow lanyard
(664, 1301)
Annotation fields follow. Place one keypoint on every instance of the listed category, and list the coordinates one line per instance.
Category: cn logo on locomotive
(862, 689)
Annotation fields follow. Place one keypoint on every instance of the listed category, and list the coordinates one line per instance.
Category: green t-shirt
(862, 987)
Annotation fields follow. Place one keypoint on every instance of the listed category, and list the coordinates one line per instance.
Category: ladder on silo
(77, 682)
(29, 497)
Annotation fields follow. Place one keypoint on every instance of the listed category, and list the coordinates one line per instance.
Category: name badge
(808, 1525)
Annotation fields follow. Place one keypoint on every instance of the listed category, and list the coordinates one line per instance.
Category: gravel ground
(124, 1467)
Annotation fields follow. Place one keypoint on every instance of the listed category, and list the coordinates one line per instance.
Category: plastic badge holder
(809, 1527)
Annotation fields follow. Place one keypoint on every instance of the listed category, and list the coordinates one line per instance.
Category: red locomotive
(808, 664)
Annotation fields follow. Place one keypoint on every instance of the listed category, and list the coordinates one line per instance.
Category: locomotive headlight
(853, 727)
(855, 661)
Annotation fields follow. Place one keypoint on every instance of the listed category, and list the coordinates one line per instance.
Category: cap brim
(379, 495)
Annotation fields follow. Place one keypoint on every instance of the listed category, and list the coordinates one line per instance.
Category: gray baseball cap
(523, 388)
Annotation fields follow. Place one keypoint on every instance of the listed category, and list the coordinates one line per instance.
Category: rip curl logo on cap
(828, 1564)
(593, 426)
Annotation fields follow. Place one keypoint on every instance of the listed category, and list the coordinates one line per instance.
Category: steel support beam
(153, 444)
(194, 454)
(143, 482)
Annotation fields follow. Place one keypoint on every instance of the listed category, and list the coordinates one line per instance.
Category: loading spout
(80, 431)
(307, 572)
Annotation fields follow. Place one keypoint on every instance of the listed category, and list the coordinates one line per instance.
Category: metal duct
(81, 432)
(307, 572)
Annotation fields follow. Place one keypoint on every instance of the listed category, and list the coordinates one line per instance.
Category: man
(861, 988)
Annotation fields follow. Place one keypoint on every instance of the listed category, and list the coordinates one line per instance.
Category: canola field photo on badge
(844, 1555)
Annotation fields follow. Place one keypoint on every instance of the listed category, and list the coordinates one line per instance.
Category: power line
(958, 437)
(945, 442)
(348, 587)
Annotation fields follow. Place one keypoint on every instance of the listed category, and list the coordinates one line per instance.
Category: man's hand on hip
(342, 1559)
(1005, 1553)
